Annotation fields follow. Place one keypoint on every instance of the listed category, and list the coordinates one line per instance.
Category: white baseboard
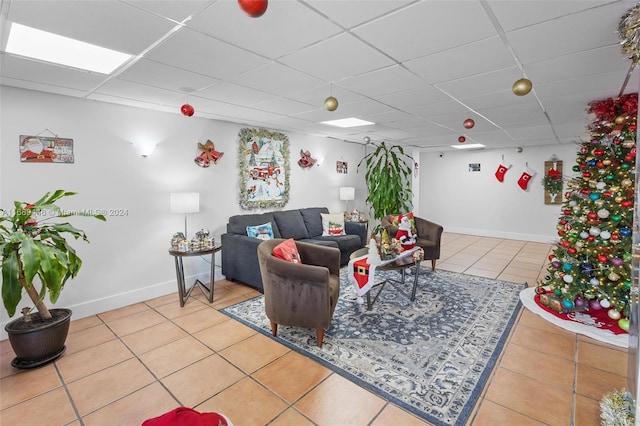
(548, 239)
(115, 301)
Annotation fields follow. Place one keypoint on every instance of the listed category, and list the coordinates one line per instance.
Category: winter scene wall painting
(264, 169)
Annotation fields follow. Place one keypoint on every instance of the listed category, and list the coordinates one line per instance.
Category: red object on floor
(183, 416)
(598, 318)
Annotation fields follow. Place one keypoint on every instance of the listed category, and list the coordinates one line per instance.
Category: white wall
(477, 203)
(127, 260)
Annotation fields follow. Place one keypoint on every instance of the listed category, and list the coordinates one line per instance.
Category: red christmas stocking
(526, 176)
(502, 169)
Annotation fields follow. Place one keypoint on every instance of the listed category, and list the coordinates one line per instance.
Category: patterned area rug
(431, 356)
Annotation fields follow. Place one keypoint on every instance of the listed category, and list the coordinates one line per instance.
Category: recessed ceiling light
(348, 122)
(468, 146)
(49, 47)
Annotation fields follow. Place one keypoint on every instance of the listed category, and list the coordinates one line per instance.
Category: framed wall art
(264, 169)
(45, 149)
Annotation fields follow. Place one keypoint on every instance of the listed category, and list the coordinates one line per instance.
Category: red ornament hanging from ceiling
(187, 110)
(254, 8)
(468, 123)
(462, 139)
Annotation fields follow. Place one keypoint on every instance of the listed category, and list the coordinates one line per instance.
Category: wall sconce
(144, 148)
(185, 202)
(347, 193)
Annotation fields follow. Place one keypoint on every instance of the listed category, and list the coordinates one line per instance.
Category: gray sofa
(240, 252)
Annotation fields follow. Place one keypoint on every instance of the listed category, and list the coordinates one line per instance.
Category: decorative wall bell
(305, 160)
(208, 154)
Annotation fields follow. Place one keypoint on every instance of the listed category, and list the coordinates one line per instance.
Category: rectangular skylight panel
(348, 122)
(45, 46)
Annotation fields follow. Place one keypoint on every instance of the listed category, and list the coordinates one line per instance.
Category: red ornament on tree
(462, 139)
(253, 8)
(187, 110)
(469, 123)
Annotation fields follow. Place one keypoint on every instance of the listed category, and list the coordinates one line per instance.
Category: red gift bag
(183, 416)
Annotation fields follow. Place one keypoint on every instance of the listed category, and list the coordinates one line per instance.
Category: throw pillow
(332, 224)
(261, 232)
(288, 251)
(395, 220)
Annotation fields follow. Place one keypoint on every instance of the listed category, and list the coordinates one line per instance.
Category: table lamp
(347, 193)
(185, 202)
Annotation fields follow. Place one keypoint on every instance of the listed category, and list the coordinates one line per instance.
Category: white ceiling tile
(352, 13)
(48, 88)
(202, 54)
(463, 61)
(278, 79)
(133, 91)
(283, 106)
(338, 58)
(427, 27)
(590, 29)
(514, 14)
(34, 71)
(165, 76)
(176, 10)
(234, 94)
(286, 27)
(479, 84)
(384, 81)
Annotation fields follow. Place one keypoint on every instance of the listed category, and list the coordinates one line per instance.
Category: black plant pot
(40, 341)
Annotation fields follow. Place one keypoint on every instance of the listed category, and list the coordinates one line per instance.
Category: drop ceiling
(417, 69)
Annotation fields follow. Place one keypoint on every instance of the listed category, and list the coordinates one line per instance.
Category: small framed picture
(40, 149)
(474, 167)
(341, 167)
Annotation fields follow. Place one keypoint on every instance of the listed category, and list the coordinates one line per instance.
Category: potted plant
(32, 245)
(388, 180)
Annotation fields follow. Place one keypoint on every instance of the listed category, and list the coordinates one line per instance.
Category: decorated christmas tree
(590, 267)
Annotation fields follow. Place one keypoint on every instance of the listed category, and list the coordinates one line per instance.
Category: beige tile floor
(136, 362)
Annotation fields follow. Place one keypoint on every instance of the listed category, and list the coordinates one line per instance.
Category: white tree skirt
(527, 298)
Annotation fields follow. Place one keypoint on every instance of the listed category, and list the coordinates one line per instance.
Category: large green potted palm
(388, 173)
(35, 253)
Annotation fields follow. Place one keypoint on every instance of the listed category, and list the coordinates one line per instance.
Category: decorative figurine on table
(202, 240)
(373, 258)
(177, 238)
(405, 235)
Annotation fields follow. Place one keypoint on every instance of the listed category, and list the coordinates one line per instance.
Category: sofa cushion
(312, 220)
(261, 232)
(291, 224)
(287, 250)
(332, 224)
(238, 224)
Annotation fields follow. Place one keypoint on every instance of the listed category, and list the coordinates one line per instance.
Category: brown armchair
(300, 294)
(429, 235)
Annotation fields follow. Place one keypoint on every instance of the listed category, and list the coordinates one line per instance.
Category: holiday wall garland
(590, 267)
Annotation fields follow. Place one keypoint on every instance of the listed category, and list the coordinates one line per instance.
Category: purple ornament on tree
(595, 305)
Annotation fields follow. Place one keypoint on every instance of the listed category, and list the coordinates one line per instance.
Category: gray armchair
(300, 294)
(429, 235)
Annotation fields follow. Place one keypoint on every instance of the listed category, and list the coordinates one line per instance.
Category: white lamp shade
(347, 193)
(185, 202)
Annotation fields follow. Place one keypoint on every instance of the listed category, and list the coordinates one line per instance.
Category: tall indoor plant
(33, 245)
(388, 180)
